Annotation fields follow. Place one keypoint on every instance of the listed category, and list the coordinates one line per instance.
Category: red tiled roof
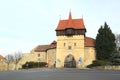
(89, 42)
(71, 23)
(1, 57)
(41, 48)
(53, 45)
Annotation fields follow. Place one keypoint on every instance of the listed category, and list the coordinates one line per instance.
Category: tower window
(38, 55)
(74, 44)
(64, 44)
(69, 47)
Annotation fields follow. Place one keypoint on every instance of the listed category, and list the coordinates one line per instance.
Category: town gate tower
(70, 48)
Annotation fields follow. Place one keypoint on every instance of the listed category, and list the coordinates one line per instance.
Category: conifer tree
(105, 43)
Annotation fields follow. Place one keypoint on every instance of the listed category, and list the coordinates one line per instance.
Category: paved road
(60, 74)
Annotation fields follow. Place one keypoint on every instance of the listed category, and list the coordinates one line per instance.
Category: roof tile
(41, 48)
(89, 42)
(71, 23)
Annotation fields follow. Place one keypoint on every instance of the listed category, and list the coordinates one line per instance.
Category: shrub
(115, 58)
(33, 65)
(99, 63)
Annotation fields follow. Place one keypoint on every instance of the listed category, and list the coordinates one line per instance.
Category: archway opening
(70, 62)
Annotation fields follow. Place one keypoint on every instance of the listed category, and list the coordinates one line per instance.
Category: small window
(69, 47)
(74, 44)
(64, 44)
(38, 55)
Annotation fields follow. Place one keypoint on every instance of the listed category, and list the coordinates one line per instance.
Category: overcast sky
(24, 24)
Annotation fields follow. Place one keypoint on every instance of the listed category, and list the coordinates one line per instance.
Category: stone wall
(112, 67)
(39, 56)
(27, 57)
(90, 55)
(107, 67)
(3, 65)
(51, 57)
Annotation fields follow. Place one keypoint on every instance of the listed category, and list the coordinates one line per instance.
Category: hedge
(33, 65)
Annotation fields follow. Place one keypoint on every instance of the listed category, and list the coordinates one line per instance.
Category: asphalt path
(60, 74)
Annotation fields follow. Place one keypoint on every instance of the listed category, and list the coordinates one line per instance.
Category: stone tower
(70, 48)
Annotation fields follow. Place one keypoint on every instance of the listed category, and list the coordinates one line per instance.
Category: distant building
(72, 48)
(1, 58)
(3, 65)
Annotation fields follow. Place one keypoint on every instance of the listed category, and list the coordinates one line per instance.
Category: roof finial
(70, 20)
(70, 16)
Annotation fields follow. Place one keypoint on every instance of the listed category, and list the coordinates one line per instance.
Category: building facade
(72, 48)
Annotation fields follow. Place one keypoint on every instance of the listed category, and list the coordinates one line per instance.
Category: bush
(33, 65)
(115, 58)
(99, 63)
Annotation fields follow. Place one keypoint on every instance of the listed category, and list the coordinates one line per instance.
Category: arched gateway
(70, 62)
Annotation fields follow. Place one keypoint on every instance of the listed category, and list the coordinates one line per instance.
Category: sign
(80, 59)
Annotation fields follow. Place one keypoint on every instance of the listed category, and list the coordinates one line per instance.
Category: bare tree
(117, 41)
(17, 58)
(8, 60)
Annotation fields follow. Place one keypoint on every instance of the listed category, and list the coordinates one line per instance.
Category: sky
(25, 24)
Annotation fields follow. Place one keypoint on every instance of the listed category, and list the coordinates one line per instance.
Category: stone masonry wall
(90, 55)
(51, 57)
